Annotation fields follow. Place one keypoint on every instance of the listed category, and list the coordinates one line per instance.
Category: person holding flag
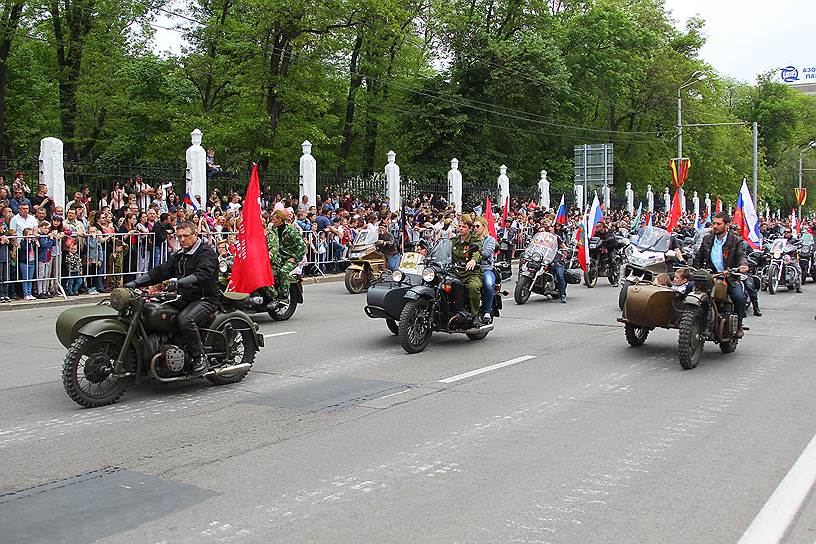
(286, 249)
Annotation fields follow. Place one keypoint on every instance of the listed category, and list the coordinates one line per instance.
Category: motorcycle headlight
(428, 275)
(223, 267)
(777, 253)
(120, 298)
(398, 276)
(537, 257)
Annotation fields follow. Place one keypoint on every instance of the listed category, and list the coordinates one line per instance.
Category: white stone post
(455, 185)
(196, 183)
(708, 206)
(729, 209)
(504, 186)
(607, 198)
(308, 175)
(392, 178)
(649, 199)
(579, 196)
(666, 199)
(52, 172)
(544, 191)
(630, 199)
(682, 200)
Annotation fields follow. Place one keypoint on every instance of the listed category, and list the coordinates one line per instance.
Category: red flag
(491, 221)
(251, 269)
(505, 212)
(674, 213)
(579, 235)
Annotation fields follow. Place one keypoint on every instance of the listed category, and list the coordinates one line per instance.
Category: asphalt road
(337, 435)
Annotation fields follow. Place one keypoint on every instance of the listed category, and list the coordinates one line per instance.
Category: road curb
(91, 299)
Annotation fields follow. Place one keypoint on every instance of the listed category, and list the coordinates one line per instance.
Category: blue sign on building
(790, 74)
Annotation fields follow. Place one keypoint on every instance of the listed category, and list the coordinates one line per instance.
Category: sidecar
(75, 318)
(386, 296)
(648, 307)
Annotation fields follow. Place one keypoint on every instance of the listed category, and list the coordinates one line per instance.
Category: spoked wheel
(477, 335)
(635, 335)
(392, 325)
(773, 279)
(690, 344)
(87, 373)
(415, 326)
(522, 291)
(242, 350)
(591, 277)
(284, 309)
(613, 275)
(355, 281)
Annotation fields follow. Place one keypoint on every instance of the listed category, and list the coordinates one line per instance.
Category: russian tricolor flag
(191, 201)
(749, 221)
(595, 216)
(561, 215)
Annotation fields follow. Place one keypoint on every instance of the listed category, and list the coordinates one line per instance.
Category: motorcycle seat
(236, 297)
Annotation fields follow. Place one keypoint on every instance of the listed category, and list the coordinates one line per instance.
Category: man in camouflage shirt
(466, 251)
(286, 249)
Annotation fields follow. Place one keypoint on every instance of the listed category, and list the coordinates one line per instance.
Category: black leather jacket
(200, 262)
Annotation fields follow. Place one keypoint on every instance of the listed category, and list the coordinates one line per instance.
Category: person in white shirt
(23, 220)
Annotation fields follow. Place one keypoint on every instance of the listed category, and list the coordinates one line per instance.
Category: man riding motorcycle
(751, 286)
(610, 242)
(286, 249)
(193, 272)
(466, 251)
(722, 250)
(790, 240)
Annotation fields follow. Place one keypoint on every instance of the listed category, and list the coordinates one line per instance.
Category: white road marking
(279, 334)
(772, 522)
(393, 394)
(487, 369)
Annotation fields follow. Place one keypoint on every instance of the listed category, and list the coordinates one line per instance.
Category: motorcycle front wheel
(415, 326)
(622, 294)
(355, 281)
(773, 279)
(613, 275)
(591, 277)
(242, 350)
(87, 373)
(521, 293)
(689, 344)
(284, 310)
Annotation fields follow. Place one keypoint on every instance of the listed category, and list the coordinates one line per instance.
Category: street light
(695, 77)
(810, 145)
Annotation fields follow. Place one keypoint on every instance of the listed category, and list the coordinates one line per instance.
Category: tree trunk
(371, 128)
(11, 19)
(278, 68)
(348, 125)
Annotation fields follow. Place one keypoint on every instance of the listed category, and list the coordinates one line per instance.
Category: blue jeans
(27, 272)
(560, 282)
(488, 286)
(336, 250)
(737, 295)
(393, 261)
(72, 285)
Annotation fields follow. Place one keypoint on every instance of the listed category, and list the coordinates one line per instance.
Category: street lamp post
(810, 145)
(695, 77)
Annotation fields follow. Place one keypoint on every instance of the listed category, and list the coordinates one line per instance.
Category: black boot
(757, 313)
(199, 366)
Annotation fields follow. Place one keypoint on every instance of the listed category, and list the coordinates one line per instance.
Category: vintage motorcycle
(782, 268)
(646, 256)
(535, 268)
(415, 305)
(367, 263)
(112, 346)
(704, 314)
(260, 301)
(806, 261)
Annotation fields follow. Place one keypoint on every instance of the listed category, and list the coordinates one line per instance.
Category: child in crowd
(96, 258)
(45, 244)
(74, 264)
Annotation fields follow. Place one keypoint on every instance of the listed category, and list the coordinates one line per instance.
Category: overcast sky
(749, 37)
(744, 37)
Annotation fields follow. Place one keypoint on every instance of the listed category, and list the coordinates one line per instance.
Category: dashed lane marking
(284, 333)
(490, 368)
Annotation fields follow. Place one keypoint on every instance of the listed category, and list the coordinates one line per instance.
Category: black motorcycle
(135, 336)
(601, 263)
(416, 305)
(259, 301)
(806, 257)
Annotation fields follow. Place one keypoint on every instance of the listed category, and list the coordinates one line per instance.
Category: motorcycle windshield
(653, 239)
(544, 244)
(779, 245)
(366, 238)
(807, 239)
(441, 252)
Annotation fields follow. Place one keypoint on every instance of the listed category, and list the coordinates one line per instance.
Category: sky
(748, 37)
(744, 37)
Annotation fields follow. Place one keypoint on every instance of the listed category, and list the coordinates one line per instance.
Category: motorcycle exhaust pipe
(220, 371)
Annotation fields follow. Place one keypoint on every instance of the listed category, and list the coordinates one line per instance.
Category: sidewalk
(92, 299)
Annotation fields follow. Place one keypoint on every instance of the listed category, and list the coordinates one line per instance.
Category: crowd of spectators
(96, 243)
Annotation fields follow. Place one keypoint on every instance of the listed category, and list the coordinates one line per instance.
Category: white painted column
(504, 186)
(579, 196)
(308, 175)
(649, 199)
(455, 185)
(630, 199)
(196, 185)
(607, 198)
(392, 178)
(682, 200)
(696, 201)
(544, 191)
(708, 206)
(666, 199)
(52, 172)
